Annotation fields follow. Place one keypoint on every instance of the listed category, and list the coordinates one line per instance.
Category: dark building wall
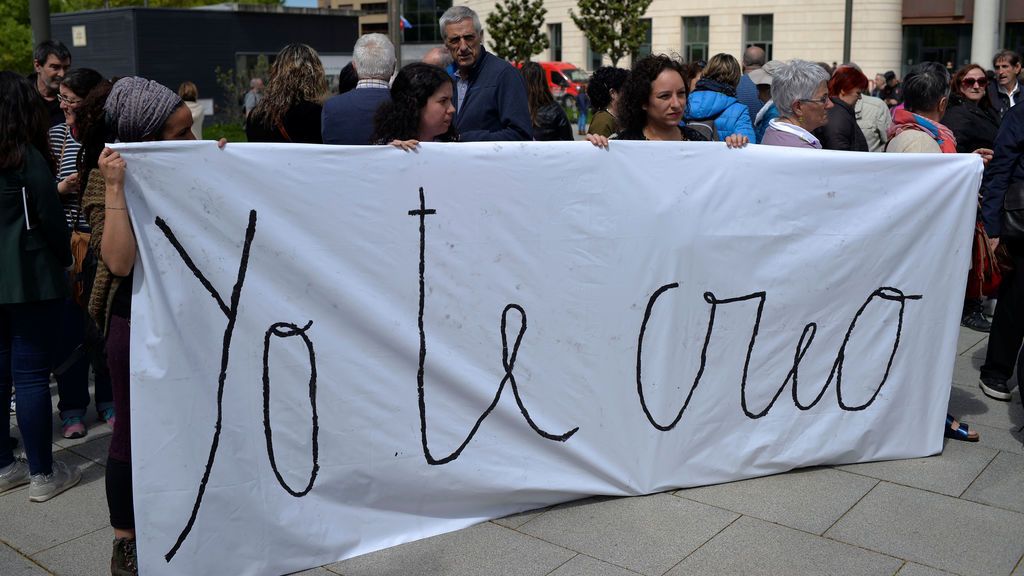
(171, 46)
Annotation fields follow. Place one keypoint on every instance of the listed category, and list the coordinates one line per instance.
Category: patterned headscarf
(137, 108)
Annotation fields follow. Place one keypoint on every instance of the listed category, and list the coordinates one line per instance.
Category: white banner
(339, 349)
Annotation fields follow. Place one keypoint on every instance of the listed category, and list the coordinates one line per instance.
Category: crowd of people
(68, 249)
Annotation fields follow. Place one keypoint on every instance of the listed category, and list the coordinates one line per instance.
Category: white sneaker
(14, 475)
(46, 486)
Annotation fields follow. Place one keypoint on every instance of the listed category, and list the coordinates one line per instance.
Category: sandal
(961, 432)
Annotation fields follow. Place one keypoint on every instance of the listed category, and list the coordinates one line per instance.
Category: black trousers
(1004, 341)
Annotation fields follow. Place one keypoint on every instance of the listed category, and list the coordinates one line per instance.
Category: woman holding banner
(135, 110)
(420, 109)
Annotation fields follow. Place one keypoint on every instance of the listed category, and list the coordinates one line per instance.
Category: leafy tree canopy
(613, 27)
(514, 29)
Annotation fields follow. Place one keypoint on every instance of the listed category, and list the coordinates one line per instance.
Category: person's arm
(1008, 151)
(513, 112)
(117, 247)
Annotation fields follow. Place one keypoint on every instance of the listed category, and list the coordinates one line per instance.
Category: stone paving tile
(911, 569)
(752, 546)
(95, 449)
(1000, 439)
(811, 499)
(583, 565)
(1020, 568)
(925, 527)
(948, 473)
(1000, 484)
(314, 572)
(87, 555)
(968, 339)
(14, 564)
(646, 534)
(79, 511)
(482, 549)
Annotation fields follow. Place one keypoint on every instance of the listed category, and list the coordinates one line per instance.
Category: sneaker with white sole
(14, 475)
(995, 389)
(46, 486)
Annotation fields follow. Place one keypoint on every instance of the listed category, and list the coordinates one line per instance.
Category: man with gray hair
(348, 118)
(490, 95)
(253, 96)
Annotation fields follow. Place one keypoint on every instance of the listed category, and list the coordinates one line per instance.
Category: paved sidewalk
(961, 512)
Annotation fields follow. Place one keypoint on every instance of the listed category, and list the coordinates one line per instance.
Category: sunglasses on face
(968, 82)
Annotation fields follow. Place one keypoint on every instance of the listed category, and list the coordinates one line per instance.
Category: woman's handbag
(80, 249)
(985, 276)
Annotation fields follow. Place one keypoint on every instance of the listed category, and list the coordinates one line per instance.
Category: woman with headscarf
(76, 332)
(292, 103)
(800, 92)
(34, 253)
(134, 110)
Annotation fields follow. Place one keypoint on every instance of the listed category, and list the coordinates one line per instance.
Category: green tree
(235, 84)
(514, 28)
(613, 27)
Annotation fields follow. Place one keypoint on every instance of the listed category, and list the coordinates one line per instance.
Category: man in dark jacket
(1005, 172)
(51, 60)
(1006, 91)
(348, 118)
(490, 97)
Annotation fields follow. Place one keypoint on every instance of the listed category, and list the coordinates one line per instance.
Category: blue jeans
(581, 120)
(26, 341)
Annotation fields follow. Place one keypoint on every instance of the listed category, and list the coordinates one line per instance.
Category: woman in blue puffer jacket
(714, 100)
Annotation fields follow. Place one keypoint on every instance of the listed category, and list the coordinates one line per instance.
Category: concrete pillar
(39, 14)
(985, 40)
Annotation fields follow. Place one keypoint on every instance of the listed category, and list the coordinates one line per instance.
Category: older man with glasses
(490, 97)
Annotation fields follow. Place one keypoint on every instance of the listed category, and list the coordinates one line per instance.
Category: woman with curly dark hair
(653, 101)
(420, 109)
(35, 251)
(549, 120)
(603, 90)
(293, 101)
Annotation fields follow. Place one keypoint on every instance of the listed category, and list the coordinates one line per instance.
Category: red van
(565, 81)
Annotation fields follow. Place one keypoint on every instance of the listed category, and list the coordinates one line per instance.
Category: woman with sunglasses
(970, 114)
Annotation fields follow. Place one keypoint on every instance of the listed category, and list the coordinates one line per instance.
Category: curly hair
(81, 81)
(296, 75)
(399, 119)
(602, 82)
(538, 95)
(24, 122)
(637, 90)
(93, 130)
(957, 87)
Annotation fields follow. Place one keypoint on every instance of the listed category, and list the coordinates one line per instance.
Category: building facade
(885, 34)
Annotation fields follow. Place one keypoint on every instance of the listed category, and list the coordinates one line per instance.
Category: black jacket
(551, 123)
(1000, 101)
(974, 126)
(842, 131)
(1007, 166)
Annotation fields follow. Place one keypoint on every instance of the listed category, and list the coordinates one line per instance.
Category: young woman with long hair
(293, 100)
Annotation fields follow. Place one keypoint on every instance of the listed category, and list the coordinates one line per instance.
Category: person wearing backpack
(713, 109)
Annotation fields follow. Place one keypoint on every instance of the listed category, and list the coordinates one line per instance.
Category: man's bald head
(753, 58)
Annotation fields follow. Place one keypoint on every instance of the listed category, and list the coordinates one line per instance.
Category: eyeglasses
(968, 82)
(821, 100)
(67, 100)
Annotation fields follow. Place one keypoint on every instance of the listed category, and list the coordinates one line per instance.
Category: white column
(985, 32)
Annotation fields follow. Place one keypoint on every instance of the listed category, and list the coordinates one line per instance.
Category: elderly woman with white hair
(800, 92)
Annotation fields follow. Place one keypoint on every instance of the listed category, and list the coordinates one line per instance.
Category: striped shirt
(65, 151)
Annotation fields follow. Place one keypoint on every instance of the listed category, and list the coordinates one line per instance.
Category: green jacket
(32, 261)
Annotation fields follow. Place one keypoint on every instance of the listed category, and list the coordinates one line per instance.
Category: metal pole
(848, 31)
(39, 14)
(395, 28)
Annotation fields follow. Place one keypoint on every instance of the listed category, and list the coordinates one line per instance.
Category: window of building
(594, 58)
(555, 41)
(374, 7)
(757, 31)
(695, 38)
(948, 44)
(1014, 41)
(645, 48)
(424, 16)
